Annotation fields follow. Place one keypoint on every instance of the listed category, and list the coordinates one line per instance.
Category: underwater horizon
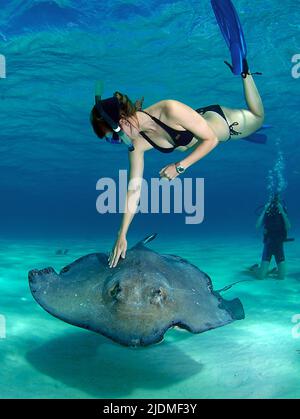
(51, 161)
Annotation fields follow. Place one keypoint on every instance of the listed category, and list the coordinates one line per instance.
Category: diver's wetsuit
(275, 234)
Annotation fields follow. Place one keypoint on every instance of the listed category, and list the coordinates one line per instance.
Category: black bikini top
(179, 137)
(183, 138)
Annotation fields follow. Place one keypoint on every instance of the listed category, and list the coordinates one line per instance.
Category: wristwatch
(179, 169)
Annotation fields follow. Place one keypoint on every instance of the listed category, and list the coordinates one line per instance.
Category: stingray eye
(113, 292)
(65, 269)
(158, 296)
(159, 293)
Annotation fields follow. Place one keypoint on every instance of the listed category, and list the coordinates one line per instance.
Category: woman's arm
(136, 160)
(201, 151)
(195, 123)
(190, 120)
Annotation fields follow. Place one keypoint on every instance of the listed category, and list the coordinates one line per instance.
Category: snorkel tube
(113, 124)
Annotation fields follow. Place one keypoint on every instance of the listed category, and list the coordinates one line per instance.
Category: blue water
(51, 161)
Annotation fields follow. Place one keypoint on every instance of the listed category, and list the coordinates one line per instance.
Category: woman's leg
(253, 99)
(251, 119)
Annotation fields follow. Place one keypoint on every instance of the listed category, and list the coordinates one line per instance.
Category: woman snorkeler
(166, 126)
(169, 124)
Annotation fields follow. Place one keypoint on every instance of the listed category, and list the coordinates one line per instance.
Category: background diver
(276, 224)
(170, 124)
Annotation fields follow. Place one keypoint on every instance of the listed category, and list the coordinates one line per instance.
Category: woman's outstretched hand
(119, 250)
(169, 172)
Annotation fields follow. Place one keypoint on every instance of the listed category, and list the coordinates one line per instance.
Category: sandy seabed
(42, 357)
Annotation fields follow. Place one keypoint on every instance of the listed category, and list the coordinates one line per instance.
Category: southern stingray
(135, 303)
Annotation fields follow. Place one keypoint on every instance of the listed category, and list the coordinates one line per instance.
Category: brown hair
(127, 109)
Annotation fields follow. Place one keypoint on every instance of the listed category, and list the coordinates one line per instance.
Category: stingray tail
(235, 283)
(146, 240)
(149, 238)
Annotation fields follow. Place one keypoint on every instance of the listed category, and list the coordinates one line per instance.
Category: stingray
(135, 303)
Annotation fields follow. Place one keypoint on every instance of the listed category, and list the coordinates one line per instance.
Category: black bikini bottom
(218, 110)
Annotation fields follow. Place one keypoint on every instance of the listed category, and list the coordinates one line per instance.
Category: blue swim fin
(258, 138)
(231, 28)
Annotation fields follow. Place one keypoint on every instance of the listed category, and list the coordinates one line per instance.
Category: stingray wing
(201, 308)
(75, 293)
